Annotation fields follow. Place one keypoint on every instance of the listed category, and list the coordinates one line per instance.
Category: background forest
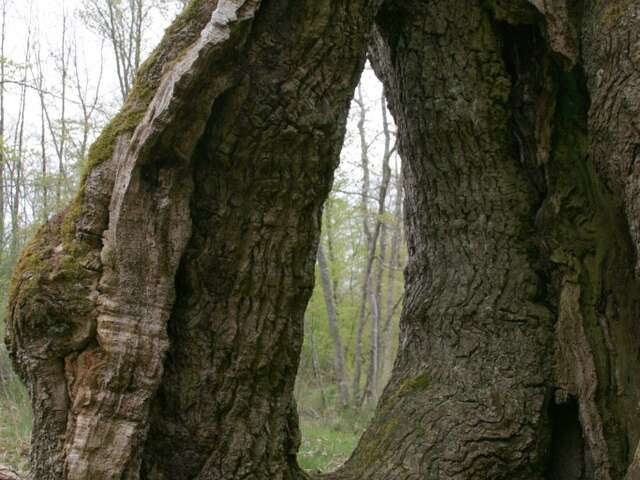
(65, 69)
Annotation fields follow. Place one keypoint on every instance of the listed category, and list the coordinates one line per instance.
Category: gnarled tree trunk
(520, 324)
(158, 321)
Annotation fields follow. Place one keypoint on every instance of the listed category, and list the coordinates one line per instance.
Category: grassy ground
(15, 418)
(328, 441)
(328, 436)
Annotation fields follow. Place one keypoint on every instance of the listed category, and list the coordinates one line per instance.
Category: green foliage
(329, 431)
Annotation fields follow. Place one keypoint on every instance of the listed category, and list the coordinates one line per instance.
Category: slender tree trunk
(64, 65)
(369, 241)
(334, 326)
(315, 364)
(2, 128)
(112, 26)
(137, 38)
(19, 160)
(43, 162)
(394, 267)
(88, 106)
(373, 375)
(327, 226)
(38, 78)
(164, 309)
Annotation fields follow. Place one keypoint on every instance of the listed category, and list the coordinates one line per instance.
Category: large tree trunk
(158, 322)
(519, 342)
(468, 391)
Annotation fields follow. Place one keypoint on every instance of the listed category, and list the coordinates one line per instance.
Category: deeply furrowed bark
(468, 391)
(519, 330)
(264, 172)
(206, 190)
(612, 71)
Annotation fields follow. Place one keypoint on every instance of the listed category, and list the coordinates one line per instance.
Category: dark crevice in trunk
(391, 17)
(524, 52)
(580, 252)
(532, 105)
(569, 459)
(158, 445)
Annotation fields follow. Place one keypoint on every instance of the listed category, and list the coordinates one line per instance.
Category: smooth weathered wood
(7, 473)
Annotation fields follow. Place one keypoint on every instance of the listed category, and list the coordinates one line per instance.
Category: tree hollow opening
(570, 459)
(351, 322)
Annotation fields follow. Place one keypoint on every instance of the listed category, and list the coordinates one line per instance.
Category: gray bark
(394, 267)
(334, 328)
(379, 245)
(2, 125)
(365, 288)
(315, 363)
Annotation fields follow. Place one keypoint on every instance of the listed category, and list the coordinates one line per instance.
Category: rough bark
(467, 394)
(611, 52)
(196, 229)
(158, 321)
(519, 331)
(334, 327)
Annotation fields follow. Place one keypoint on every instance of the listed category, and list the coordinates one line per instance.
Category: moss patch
(413, 385)
(178, 37)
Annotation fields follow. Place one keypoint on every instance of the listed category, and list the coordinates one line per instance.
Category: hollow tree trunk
(158, 321)
(519, 343)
